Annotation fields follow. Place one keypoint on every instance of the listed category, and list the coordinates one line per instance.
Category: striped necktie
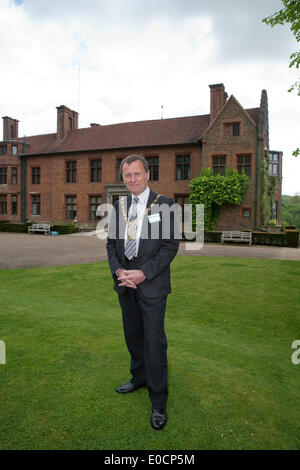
(130, 245)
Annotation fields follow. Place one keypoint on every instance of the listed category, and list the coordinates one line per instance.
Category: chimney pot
(67, 120)
(218, 98)
(10, 128)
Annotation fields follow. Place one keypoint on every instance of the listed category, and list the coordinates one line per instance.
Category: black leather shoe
(158, 419)
(129, 387)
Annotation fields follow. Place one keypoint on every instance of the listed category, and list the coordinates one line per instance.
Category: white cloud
(136, 55)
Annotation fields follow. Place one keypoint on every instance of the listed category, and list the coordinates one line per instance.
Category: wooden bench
(45, 228)
(236, 236)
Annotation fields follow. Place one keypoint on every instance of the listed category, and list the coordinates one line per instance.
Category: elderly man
(140, 266)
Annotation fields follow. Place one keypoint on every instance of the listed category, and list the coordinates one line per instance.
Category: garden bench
(39, 228)
(236, 236)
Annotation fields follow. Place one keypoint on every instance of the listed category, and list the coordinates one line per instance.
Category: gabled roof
(162, 132)
(251, 114)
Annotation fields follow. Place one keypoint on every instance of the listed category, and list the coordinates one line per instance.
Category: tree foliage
(290, 14)
(215, 190)
(290, 212)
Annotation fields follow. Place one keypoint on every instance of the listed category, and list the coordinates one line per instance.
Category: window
(182, 199)
(274, 210)
(36, 175)
(3, 175)
(153, 168)
(71, 207)
(119, 173)
(14, 149)
(14, 204)
(235, 130)
(273, 164)
(3, 204)
(183, 167)
(35, 205)
(96, 170)
(219, 164)
(246, 213)
(3, 149)
(14, 175)
(232, 129)
(71, 172)
(244, 164)
(95, 201)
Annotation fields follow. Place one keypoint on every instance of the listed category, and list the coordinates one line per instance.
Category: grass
(230, 324)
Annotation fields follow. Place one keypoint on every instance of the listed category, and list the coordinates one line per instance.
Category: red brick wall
(54, 189)
(217, 142)
(11, 161)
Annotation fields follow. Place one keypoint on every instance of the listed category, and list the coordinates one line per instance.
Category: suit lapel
(145, 223)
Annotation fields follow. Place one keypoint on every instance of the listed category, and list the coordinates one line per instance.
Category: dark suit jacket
(155, 253)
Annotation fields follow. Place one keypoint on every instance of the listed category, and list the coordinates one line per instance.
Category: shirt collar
(143, 197)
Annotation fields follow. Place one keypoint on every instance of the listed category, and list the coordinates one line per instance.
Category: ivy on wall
(269, 184)
(215, 190)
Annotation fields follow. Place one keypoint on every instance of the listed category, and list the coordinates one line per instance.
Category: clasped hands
(130, 278)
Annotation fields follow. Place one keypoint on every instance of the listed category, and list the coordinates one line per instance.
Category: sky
(121, 60)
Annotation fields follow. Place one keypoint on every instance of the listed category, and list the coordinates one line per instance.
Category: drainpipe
(256, 181)
(23, 182)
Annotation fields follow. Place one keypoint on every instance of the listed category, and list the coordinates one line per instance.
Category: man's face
(135, 177)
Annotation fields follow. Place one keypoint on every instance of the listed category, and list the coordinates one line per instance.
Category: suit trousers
(143, 323)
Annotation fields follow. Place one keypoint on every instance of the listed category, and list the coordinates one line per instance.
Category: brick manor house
(55, 177)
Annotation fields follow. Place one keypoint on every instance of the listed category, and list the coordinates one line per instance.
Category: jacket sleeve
(111, 244)
(166, 252)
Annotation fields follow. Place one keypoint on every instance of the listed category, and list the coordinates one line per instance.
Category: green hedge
(269, 238)
(292, 238)
(212, 237)
(13, 227)
(289, 238)
(64, 228)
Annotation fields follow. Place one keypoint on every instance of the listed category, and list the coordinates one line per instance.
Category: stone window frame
(37, 203)
(219, 155)
(99, 196)
(97, 170)
(183, 164)
(3, 171)
(152, 165)
(243, 210)
(71, 172)
(244, 154)
(231, 123)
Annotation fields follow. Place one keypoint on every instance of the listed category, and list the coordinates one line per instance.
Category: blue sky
(136, 55)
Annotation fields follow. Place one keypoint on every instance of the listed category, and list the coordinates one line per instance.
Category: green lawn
(230, 325)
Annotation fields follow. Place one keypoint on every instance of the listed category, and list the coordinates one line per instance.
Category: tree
(291, 210)
(290, 15)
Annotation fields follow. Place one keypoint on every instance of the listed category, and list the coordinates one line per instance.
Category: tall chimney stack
(218, 98)
(67, 120)
(10, 128)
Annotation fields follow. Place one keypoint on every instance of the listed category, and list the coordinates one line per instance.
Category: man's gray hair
(134, 158)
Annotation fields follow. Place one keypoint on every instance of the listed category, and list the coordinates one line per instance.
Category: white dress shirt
(140, 210)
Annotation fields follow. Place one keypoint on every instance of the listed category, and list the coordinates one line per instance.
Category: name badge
(154, 218)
